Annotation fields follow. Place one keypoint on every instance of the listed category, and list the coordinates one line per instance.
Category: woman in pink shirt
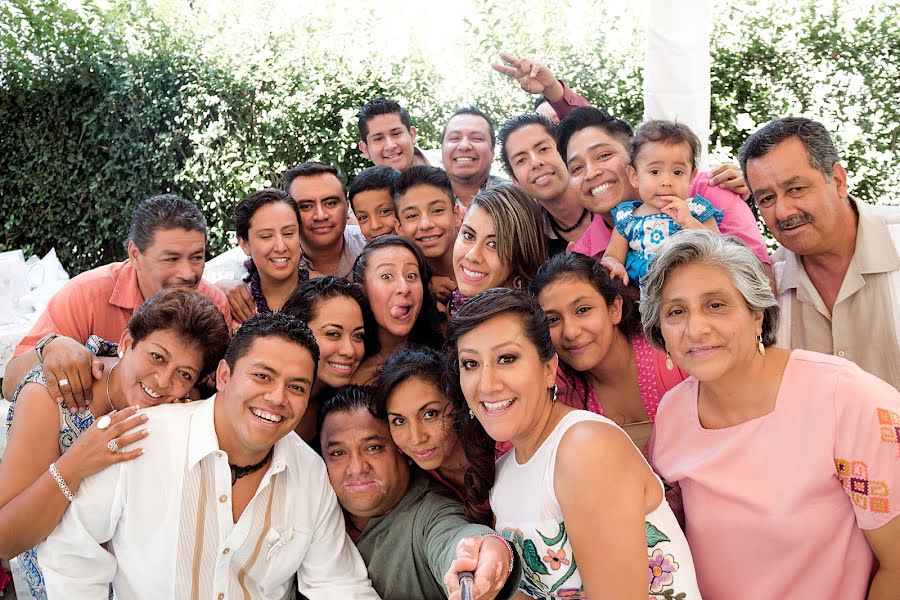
(606, 364)
(788, 461)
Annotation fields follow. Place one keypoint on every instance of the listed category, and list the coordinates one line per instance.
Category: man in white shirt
(226, 500)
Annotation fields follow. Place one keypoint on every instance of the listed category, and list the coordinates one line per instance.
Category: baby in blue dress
(664, 159)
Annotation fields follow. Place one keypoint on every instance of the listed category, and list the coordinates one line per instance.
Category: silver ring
(103, 422)
(63, 382)
(112, 446)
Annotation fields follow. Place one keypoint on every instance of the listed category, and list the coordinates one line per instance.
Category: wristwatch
(42, 343)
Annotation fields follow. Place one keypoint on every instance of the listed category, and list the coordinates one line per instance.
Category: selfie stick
(465, 585)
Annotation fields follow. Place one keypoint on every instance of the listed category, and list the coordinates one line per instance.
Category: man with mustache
(838, 268)
(166, 248)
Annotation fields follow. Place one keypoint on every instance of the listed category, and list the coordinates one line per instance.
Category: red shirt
(100, 302)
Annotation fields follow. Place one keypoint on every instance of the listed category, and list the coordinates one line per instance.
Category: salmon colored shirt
(776, 506)
(100, 302)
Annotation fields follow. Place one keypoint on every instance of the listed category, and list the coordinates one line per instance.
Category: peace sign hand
(533, 77)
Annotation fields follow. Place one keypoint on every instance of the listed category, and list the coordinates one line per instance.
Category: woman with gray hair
(788, 461)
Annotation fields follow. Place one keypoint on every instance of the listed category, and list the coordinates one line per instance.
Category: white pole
(676, 65)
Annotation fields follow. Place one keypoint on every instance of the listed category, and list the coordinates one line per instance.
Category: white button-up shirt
(168, 520)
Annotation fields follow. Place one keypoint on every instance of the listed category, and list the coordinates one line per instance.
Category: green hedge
(101, 108)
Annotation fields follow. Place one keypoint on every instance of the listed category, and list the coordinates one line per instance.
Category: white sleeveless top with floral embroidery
(534, 522)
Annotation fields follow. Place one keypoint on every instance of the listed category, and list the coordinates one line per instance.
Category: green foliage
(830, 60)
(103, 107)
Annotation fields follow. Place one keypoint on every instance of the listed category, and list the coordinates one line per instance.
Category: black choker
(560, 230)
(238, 472)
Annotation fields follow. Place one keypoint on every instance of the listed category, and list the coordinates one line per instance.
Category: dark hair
(373, 178)
(346, 398)
(376, 107)
(815, 138)
(518, 122)
(305, 300)
(470, 110)
(588, 116)
(272, 324)
(665, 132)
(521, 243)
(166, 211)
(423, 175)
(584, 268)
(409, 361)
(575, 266)
(538, 100)
(479, 447)
(428, 326)
(247, 207)
(311, 169)
(192, 317)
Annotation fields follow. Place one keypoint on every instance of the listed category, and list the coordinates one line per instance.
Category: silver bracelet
(61, 483)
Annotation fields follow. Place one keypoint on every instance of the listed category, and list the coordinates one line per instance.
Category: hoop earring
(669, 364)
(760, 345)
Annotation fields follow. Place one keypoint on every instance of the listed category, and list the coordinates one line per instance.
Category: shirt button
(840, 353)
(223, 498)
(218, 454)
(226, 550)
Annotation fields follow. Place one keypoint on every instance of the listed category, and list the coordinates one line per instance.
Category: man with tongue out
(226, 500)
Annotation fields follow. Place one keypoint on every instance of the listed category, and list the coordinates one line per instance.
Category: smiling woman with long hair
(574, 487)
(267, 225)
(409, 394)
(607, 366)
(339, 316)
(500, 243)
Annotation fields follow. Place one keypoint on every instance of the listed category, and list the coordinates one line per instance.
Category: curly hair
(192, 317)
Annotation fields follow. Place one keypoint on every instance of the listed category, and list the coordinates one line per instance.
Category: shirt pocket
(283, 551)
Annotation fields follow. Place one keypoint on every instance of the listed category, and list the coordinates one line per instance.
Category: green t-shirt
(408, 550)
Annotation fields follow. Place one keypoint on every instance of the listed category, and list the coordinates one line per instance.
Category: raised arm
(453, 544)
(537, 78)
(600, 483)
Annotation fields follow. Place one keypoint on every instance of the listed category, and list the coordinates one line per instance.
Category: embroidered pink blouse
(776, 507)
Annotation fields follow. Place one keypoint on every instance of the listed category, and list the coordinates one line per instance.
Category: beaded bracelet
(509, 549)
(61, 483)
